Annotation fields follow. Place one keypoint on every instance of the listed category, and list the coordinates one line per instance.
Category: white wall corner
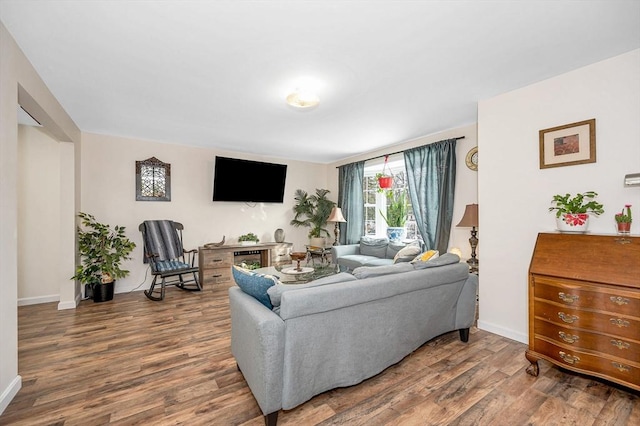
(69, 304)
(504, 332)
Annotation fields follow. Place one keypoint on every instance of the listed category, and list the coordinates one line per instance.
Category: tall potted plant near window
(396, 216)
(102, 249)
(313, 211)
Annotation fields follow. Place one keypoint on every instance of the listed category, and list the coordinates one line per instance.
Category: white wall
(466, 191)
(38, 216)
(514, 193)
(20, 84)
(108, 192)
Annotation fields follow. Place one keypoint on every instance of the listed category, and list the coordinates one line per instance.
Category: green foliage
(312, 211)
(102, 249)
(578, 204)
(249, 237)
(622, 217)
(396, 209)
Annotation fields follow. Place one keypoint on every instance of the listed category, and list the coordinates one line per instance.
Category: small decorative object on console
(248, 239)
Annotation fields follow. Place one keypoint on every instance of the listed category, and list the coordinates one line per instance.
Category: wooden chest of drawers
(584, 305)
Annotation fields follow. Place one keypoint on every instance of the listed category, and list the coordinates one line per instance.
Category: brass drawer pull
(568, 298)
(619, 300)
(620, 344)
(569, 319)
(619, 322)
(569, 338)
(569, 359)
(623, 368)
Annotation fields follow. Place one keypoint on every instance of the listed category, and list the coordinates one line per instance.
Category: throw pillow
(427, 255)
(275, 292)
(376, 247)
(445, 259)
(375, 271)
(254, 284)
(407, 254)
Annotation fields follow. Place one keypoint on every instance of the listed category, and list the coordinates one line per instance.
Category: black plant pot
(103, 292)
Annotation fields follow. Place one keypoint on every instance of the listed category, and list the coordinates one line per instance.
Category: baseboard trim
(39, 299)
(70, 305)
(504, 332)
(9, 393)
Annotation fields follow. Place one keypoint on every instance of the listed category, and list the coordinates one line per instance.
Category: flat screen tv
(248, 181)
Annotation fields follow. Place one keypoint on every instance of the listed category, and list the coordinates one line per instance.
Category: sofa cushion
(275, 292)
(407, 254)
(376, 261)
(445, 259)
(376, 247)
(429, 254)
(375, 271)
(254, 284)
(393, 248)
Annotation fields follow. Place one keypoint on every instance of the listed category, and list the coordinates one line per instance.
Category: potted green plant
(396, 216)
(623, 220)
(313, 211)
(572, 212)
(248, 239)
(102, 249)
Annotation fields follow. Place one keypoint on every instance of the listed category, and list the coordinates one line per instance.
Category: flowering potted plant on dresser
(623, 220)
(572, 212)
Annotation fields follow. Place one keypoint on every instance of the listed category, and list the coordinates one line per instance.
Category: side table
(323, 253)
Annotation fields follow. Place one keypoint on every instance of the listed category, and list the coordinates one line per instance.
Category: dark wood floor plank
(133, 361)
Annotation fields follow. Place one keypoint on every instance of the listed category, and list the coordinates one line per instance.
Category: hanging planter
(385, 180)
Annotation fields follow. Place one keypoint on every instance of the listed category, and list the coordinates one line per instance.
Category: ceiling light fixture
(302, 99)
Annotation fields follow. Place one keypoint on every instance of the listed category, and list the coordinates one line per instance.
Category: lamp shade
(470, 218)
(336, 215)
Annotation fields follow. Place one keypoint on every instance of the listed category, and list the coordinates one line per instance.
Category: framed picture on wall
(568, 145)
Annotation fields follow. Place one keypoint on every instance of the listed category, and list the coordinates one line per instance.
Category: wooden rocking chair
(169, 261)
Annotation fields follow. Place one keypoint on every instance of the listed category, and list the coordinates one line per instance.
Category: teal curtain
(351, 201)
(431, 178)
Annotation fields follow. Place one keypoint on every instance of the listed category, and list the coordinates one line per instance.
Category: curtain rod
(393, 153)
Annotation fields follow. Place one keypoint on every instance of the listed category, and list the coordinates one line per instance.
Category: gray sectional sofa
(369, 252)
(343, 329)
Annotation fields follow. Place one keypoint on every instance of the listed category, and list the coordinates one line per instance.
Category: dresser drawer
(581, 339)
(603, 322)
(216, 276)
(216, 259)
(567, 292)
(591, 363)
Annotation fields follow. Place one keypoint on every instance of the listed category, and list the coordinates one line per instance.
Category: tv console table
(216, 262)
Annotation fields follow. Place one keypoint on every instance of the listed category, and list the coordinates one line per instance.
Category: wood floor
(133, 361)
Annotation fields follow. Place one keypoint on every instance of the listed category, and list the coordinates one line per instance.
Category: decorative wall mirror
(153, 180)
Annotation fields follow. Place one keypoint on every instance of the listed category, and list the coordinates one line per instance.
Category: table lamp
(336, 216)
(470, 220)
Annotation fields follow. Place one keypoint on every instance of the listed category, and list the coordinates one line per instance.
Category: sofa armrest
(466, 310)
(257, 343)
(347, 249)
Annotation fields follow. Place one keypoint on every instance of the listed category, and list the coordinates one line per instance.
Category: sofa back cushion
(375, 271)
(445, 259)
(371, 246)
(275, 293)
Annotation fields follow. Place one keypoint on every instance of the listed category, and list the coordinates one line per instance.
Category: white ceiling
(215, 73)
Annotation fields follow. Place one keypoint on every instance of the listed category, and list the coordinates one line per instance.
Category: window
(153, 180)
(376, 202)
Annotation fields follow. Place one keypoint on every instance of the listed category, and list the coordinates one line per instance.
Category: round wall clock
(472, 158)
